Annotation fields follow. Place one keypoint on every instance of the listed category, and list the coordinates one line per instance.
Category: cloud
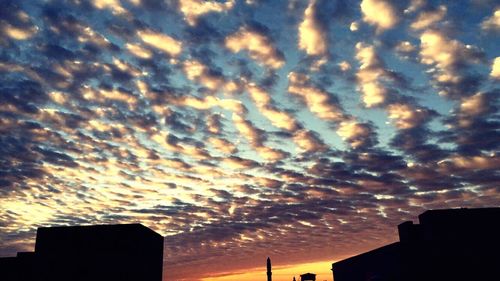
(473, 162)
(406, 116)
(472, 124)
(304, 139)
(214, 124)
(19, 25)
(139, 51)
(493, 22)
(238, 163)
(495, 68)
(354, 26)
(196, 71)
(193, 9)
(256, 138)
(325, 107)
(137, 111)
(405, 48)
(172, 143)
(428, 18)
(222, 145)
(369, 75)
(380, 13)
(312, 37)
(258, 44)
(414, 142)
(263, 102)
(474, 105)
(449, 57)
(415, 5)
(113, 5)
(18, 33)
(279, 119)
(87, 34)
(344, 66)
(318, 101)
(22, 96)
(308, 141)
(438, 49)
(357, 134)
(271, 154)
(112, 94)
(161, 42)
(209, 102)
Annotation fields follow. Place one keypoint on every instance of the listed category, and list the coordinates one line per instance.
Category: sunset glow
(281, 273)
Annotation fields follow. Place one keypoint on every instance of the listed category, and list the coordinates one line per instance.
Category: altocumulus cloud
(236, 127)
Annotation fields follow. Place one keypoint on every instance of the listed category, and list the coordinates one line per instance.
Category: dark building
(447, 245)
(101, 252)
(308, 277)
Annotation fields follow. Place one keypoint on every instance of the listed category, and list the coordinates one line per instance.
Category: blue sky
(241, 129)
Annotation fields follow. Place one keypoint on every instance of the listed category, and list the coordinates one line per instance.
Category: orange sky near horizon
(322, 269)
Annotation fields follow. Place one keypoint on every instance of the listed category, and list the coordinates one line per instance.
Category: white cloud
(278, 118)
(258, 45)
(139, 51)
(192, 9)
(353, 132)
(18, 33)
(429, 18)
(344, 66)
(312, 39)
(405, 115)
(379, 13)
(113, 5)
(23, 32)
(495, 68)
(405, 47)
(196, 71)
(317, 100)
(307, 141)
(444, 53)
(161, 42)
(473, 105)
(369, 75)
(354, 26)
(414, 6)
(493, 22)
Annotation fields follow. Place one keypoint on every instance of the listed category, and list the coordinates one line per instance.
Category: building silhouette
(269, 273)
(308, 277)
(447, 245)
(101, 252)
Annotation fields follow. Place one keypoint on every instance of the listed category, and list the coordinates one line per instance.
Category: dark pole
(269, 273)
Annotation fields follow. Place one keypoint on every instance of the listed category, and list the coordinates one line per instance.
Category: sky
(305, 131)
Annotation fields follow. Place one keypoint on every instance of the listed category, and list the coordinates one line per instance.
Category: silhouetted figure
(269, 273)
(447, 245)
(294, 278)
(130, 252)
(308, 277)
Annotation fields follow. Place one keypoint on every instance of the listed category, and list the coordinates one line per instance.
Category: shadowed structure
(452, 244)
(269, 272)
(308, 277)
(102, 252)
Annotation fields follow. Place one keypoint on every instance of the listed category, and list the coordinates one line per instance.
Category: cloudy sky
(300, 130)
